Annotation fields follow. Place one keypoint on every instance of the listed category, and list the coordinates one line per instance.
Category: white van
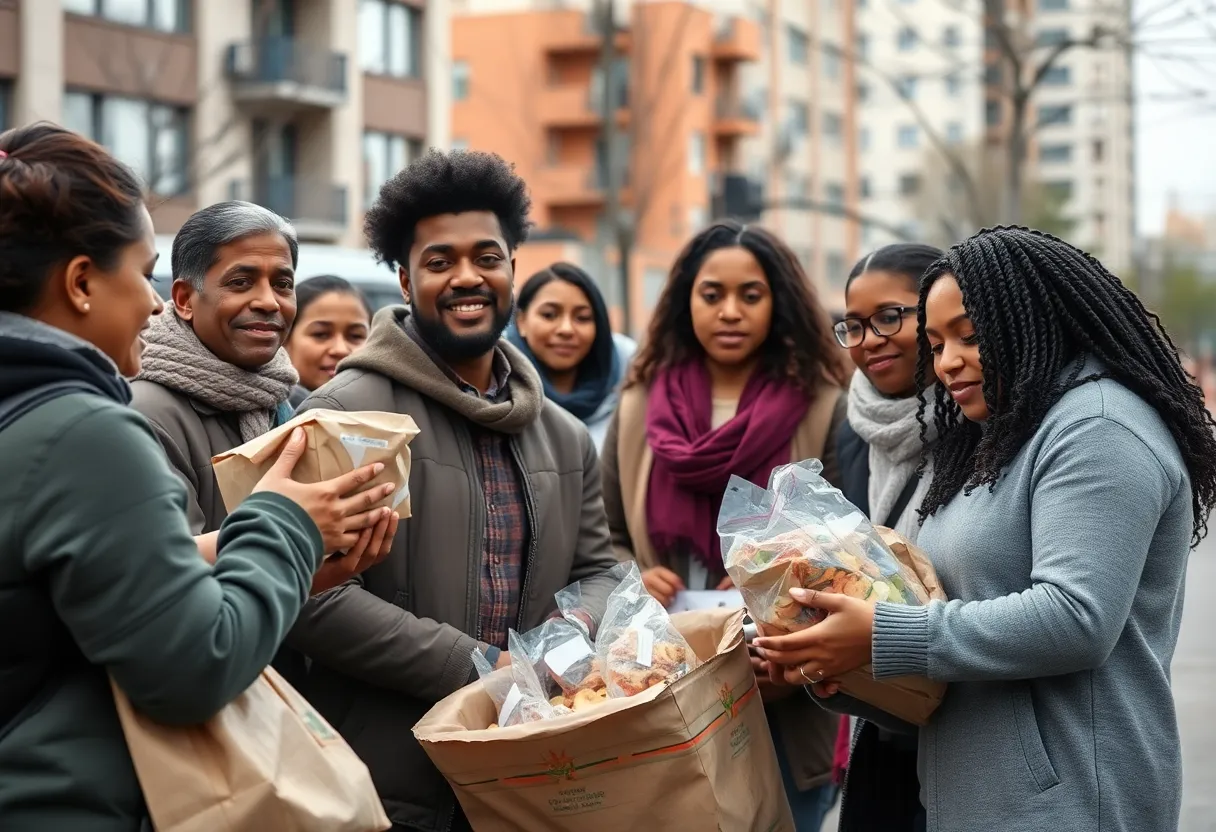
(377, 281)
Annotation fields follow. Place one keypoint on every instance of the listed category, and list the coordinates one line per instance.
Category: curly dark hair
(799, 347)
(446, 183)
(1039, 307)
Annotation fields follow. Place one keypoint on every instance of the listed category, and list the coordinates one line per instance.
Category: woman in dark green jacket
(99, 575)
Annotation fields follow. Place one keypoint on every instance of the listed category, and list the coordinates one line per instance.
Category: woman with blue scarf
(562, 326)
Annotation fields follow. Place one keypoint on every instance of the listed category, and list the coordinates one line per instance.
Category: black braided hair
(1039, 306)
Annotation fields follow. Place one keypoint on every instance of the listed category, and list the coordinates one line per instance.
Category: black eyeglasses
(884, 323)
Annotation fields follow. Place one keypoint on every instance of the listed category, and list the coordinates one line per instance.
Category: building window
(950, 38)
(863, 139)
(833, 194)
(1099, 150)
(1057, 76)
(863, 187)
(863, 44)
(909, 184)
(833, 128)
(906, 39)
(799, 45)
(460, 80)
(390, 38)
(1055, 153)
(906, 87)
(863, 92)
(1052, 37)
(953, 85)
(1058, 190)
(696, 153)
(698, 74)
(1050, 114)
(833, 264)
(384, 155)
(1053, 5)
(908, 137)
(152, 138)
(993, 75)
(992, 113)
(800, 118)
(163, 15)
(954, 132)
(831, 61)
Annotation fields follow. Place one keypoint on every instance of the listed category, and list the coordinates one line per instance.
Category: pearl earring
(86, 307)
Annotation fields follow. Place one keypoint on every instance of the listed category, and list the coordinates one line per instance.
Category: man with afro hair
(505, 485)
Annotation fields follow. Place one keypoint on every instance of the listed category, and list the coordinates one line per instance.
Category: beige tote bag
(266, 762)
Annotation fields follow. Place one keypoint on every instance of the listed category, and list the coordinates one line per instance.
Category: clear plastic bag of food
(580, 613)
(637, 645)
(516, 691)
(802, 532)
(564, 662)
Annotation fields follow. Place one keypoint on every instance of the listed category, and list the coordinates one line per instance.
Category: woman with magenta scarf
(739, 374)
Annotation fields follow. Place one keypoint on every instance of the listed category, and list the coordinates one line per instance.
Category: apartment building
(716, 111)
(921, 98)
(935, 94)
(1084, 148)
(304, 106)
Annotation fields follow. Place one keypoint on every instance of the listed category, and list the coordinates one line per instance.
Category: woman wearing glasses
(739, 374)
(879, 449)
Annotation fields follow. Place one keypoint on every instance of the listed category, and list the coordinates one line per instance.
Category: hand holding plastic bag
(802, 532)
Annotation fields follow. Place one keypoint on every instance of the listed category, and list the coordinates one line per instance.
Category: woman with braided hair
(1074, 470)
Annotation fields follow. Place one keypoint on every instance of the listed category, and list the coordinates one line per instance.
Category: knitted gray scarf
(890, 428)
(176, 359)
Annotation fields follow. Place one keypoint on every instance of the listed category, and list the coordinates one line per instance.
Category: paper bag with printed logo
(692, 754)
(338, 442)
(268, 761)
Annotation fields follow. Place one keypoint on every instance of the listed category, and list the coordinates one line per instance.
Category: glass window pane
(371, 35)
(125, 124)
(133, 12)
(80, 6)
(413, 42)
(396, 156)
(78, 113)
(375, 162)
(167, 15)
(398, 40)
(168, 175)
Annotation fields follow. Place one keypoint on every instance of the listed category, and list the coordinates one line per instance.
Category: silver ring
(818, 676)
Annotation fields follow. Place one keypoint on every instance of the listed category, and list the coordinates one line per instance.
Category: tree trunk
(604, 11)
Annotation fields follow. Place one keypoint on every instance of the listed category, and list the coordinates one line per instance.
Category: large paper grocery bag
(266, 762)
(338, 442)
(695, 754)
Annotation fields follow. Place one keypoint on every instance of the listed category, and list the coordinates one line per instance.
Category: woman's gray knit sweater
(1067, 584)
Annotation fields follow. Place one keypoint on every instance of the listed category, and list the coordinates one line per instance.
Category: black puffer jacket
(881, 790)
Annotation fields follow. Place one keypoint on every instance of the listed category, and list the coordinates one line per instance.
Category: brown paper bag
(911, 698)
(338, 442)
(695, 754)
(268, 762)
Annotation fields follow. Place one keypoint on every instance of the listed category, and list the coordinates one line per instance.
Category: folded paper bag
(338, 442)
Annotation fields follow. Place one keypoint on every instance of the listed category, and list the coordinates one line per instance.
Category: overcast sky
(1176, 108)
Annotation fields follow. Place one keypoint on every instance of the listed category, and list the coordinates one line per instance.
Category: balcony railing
(316, 207)
(744, 109)
(284, 67)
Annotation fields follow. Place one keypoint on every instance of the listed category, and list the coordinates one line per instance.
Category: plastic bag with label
(637, 645)
(802, 532)
(575, 609)
(516, 691)
(563, 660)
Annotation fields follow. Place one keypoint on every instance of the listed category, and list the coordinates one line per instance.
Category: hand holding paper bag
(323, 474)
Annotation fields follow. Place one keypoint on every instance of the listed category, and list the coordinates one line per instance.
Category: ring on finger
(814, 679)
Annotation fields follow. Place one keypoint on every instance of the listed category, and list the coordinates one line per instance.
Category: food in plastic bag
(803, 532)
(637, 644)
(561, 656)
(516, 691)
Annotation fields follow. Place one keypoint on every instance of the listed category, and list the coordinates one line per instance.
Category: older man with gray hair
(215, 374)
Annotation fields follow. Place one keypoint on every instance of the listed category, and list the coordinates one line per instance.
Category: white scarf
(890, 428)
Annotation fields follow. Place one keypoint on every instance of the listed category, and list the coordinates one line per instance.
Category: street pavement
(1194, 676)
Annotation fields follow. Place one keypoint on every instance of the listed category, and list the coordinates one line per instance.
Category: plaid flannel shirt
(506, 531)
